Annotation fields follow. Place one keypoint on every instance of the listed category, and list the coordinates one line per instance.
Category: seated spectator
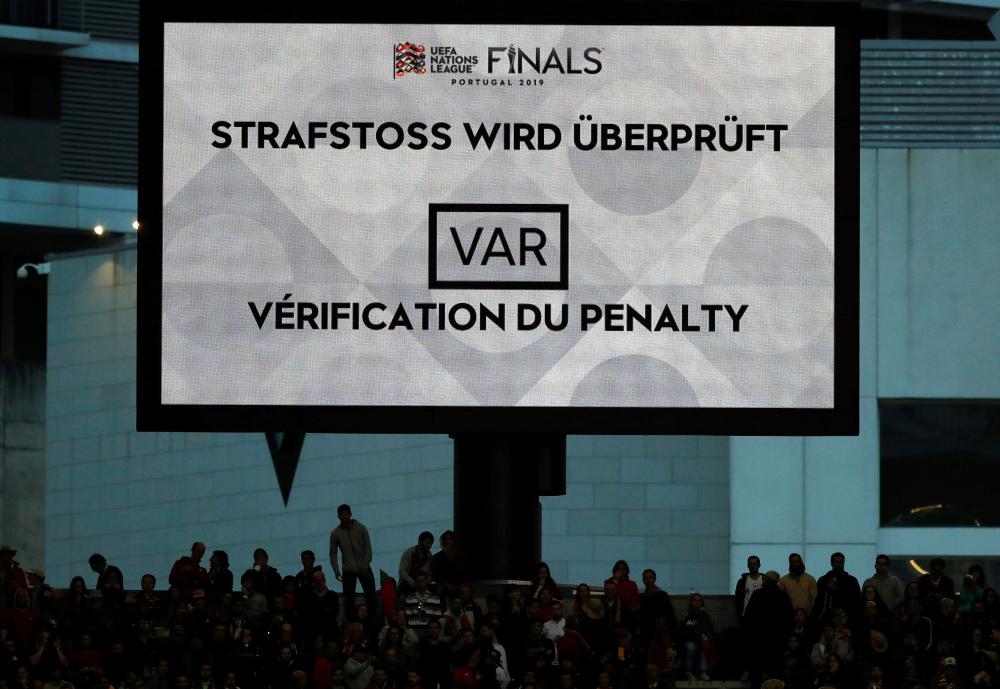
(205, 680)
(541, 607)
(619, 613)
(498, 654)
(85, 658)
(256, 603)
(968, 594)
(415, 559)
(457, 619)
(358, 671)
(796, 670)
(249, 659)
(21, 623)
(543, 581)
(978, 575)
(936, 583)
(627, 589)
(281, 668)
(469, 605)
(220, 578)
(148, 603)
(318, 609)
(555, 627)
(380, 679)
(592, 615)
(467, 675)
(267, 581)
(448, 565)
(698, 633)
(304, 578)
(870, 594)
(421, 605)
(805, 628)
(397, 634)
(434, 656)
(22, 678)
(830, 644)
(56, 680)
(539, 651)
(832, 674)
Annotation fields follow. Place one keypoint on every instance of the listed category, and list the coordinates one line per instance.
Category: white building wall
(930, 328)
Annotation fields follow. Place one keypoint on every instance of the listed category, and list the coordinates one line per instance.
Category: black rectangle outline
(561, 208)
(841, 419)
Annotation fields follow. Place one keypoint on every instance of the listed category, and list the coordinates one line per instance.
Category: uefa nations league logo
(409, 58)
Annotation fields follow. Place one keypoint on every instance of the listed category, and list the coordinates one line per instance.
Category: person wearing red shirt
(628, 591)
(21, 622)
(467, 676)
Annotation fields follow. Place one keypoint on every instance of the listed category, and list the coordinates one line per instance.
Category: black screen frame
(841, 419)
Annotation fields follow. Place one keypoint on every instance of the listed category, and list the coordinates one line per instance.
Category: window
(940, 463)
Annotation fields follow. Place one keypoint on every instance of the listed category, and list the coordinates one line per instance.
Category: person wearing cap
(947, 678)
(12, 577)
(358, 672)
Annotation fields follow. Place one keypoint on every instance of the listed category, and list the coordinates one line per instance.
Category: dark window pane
(940, 463)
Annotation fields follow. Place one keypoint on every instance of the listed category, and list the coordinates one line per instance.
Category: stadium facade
(77, 478)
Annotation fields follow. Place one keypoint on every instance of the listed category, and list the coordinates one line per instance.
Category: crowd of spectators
(429, 628)
(796, 631)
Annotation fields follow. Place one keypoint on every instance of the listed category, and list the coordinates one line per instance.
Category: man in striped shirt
(421, 605)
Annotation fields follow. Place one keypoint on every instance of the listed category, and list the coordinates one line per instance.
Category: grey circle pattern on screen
(770, 251)
(643, 380)
(375, 248)
(634, 182)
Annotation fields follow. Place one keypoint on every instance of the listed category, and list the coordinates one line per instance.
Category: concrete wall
(22, 460)
(141, 499)
(655, 501)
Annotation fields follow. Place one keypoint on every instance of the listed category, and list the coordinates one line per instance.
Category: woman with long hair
(543, 580)
(628, 590)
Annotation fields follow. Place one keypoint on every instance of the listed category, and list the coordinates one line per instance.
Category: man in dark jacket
(745, 588)
(768, 620)
(318, 607)
(935, 583)
(749, 583)
(654, 603)
(836, 589)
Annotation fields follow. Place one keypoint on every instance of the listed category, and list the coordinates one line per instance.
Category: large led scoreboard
(459, 219)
